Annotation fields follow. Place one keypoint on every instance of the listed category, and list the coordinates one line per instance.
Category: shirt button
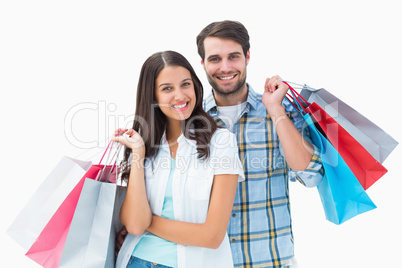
(154, 263)
(233, 215)
(233, 240)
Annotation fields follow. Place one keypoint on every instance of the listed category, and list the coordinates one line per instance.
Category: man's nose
(225, 66)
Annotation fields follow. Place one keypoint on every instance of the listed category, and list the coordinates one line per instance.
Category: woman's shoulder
(221, 133)
(223, 138)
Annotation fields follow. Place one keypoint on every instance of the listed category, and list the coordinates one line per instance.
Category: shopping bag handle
(110, 145)
(115, 157)
(114, 167)
(104, 153)
(296, 99)
(292, 102)
(299, 86)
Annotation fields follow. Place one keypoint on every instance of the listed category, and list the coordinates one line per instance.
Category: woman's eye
(186, 84)
(166, 88)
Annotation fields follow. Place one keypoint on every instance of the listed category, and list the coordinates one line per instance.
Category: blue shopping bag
(342, 195)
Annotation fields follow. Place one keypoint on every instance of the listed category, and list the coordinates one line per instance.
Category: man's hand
(120, 238)
(274, 92)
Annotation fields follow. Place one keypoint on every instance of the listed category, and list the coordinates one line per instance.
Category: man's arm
(297, 150)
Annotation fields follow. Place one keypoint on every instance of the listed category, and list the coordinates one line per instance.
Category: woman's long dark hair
(150, 122)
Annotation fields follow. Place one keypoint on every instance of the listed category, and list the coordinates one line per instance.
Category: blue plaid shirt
(260, 230)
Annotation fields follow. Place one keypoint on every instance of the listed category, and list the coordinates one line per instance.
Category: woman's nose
(179, 95)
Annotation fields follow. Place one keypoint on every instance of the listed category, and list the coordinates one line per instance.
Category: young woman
(182, 172)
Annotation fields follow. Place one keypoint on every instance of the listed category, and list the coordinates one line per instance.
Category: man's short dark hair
(227, 29)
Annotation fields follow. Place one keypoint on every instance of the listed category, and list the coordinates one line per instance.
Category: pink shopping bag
(48, 247)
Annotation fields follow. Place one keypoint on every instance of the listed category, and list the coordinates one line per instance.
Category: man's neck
(231, 99)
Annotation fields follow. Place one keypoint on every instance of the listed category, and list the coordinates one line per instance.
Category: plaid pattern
(260, 230)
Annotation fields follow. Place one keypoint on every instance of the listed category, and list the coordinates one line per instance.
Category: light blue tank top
(153, 248)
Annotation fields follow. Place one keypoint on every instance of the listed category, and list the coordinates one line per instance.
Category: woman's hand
(135, 213)
(131, 139)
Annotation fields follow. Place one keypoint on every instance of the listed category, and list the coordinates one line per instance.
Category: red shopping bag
(363, 165)
(48, 247)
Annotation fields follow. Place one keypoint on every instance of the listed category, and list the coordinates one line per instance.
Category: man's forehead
(219, 46)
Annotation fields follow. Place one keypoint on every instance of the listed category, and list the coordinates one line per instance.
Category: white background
(55, 55)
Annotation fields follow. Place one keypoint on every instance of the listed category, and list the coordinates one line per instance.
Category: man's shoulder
(208, 102)
(257, 107)
(255, 99)
(209, 98)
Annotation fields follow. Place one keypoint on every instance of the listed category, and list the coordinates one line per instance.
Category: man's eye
(214, 59)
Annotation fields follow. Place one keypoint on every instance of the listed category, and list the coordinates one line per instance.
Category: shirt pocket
(199, 184)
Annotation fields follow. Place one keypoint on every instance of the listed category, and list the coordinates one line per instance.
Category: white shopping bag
(374, 139)
(45, 201)
(92, 235)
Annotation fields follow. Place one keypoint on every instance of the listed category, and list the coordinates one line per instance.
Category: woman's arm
(135, 213)
(209, 234)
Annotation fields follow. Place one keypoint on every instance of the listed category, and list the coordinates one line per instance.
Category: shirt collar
(252, 97)
(180, 140)
(210, 103)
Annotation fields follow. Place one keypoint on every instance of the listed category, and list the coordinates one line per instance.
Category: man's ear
(247, 57)
(202, 63)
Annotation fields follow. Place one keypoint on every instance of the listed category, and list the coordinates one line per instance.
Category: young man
(273, 146)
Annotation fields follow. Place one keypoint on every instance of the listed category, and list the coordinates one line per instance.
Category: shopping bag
(48, 246)
(365, 167)
(92, 234)
(341, 194)
(374, 139)
(91, 238)
(27, 226)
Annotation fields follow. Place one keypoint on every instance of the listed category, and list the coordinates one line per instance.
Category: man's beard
(235, 89)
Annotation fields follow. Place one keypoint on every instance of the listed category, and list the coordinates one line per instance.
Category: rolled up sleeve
(312, 175)
(314, 172)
